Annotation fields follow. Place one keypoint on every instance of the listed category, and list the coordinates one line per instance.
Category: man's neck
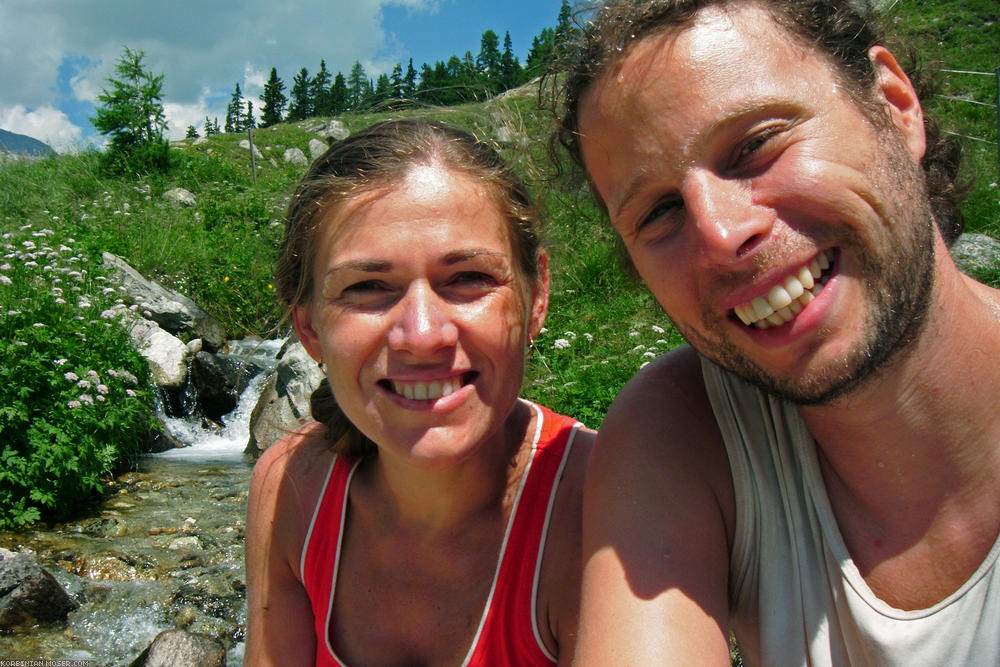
(913, 455)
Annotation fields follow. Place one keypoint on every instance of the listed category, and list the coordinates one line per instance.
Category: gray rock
(167, 357)
(171, 310)
(245, 143)
(217, 392)
(976, 253)
(284, 402)
(295, 156)
(317, 148)
(29, 593)
(180, 648)
(332, 129)
(180, 196)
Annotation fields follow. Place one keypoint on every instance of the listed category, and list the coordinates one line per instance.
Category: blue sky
(55, 55)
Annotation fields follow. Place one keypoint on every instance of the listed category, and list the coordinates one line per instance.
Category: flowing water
(164, 550)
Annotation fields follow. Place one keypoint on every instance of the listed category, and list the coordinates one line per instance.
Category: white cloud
(45, 124)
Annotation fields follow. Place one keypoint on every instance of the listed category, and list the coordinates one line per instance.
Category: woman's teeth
(786, 300)
(426, 391)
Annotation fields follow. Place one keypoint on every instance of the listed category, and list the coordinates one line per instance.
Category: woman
(429, 516)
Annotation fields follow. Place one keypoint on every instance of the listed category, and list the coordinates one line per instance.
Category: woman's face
(420, 315)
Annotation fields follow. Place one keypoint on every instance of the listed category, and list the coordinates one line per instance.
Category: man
(821, 472)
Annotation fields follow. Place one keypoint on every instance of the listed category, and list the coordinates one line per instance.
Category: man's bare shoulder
(668, 396)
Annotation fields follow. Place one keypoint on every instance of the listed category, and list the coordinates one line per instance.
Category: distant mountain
(12, 142)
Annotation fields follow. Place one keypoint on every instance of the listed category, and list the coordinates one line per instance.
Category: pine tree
(540, 53)
(234, 111)
(383, 90)
(319, 91)
(488, 61)
(566, 32)
(339, 95)
(132, 114)
(510, 69)
(192, 132)
(208, 127)
(410, 81)
(300, 107)
(357, 87)
(249, 122)
(274, 100)
(396, 82)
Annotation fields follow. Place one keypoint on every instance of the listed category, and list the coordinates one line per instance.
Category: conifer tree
(274, 100)
(542, 47)
(396, 82)
(300, 106)
(339, 95)
(234, 111)
(510, 68)
(357, 86)
(488, 61)
(383, 90)
(319, 91)
(208, 127)
(410, 81)
(192, 132)
(132, 114)
(249, 122)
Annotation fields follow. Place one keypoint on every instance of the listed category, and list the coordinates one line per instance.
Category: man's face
(787, 236)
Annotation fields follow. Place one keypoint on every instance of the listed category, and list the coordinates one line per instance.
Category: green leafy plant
(75, 399)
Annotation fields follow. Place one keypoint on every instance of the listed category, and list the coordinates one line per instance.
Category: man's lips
(786, 299)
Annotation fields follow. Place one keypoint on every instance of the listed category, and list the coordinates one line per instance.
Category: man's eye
(661, 218)
(750, 149)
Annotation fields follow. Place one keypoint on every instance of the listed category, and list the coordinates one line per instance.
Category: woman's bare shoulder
(290, 473)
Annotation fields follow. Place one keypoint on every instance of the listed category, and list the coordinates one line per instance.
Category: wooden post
(253, 161)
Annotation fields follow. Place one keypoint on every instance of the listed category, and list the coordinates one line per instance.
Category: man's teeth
(787, 299)
(426, 391)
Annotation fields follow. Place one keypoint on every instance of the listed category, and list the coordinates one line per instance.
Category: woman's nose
(423, 322)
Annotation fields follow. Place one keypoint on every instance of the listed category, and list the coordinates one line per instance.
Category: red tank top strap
(510, 634)
(321, 553)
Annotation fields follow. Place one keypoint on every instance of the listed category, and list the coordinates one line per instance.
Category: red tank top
(508, 632)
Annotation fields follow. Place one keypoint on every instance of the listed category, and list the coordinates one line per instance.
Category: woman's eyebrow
(458, 256)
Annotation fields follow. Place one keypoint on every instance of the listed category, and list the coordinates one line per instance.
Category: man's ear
(901, 99)
(302, 320)
(540, 300)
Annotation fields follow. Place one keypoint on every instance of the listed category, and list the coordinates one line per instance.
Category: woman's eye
(364, 287)
(472, 278)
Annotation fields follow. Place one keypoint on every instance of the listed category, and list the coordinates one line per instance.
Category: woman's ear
(302, 320)
(902, 101)
(540, 297)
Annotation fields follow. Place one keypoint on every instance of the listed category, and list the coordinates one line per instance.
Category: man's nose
(729, 225)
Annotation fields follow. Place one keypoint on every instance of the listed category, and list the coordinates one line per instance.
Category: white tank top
(796, 596)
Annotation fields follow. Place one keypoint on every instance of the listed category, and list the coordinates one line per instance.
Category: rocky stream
(164, 549)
